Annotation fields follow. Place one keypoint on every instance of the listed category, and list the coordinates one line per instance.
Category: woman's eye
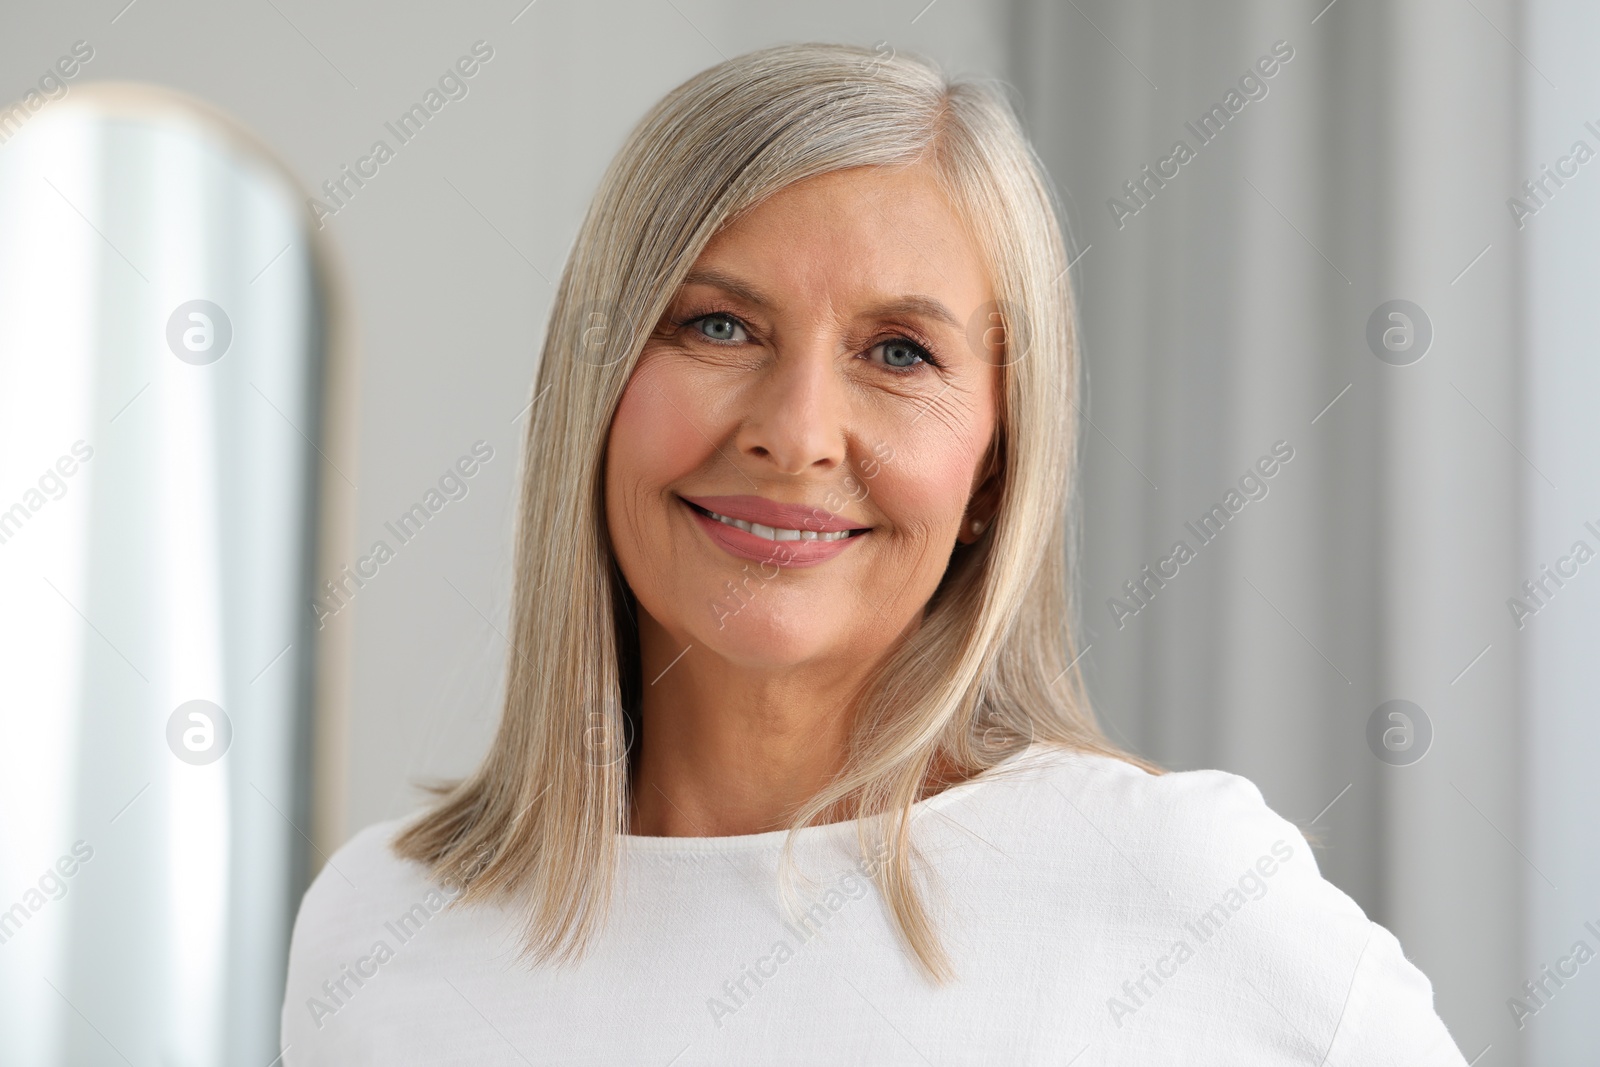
(720, 327)
(901, 353)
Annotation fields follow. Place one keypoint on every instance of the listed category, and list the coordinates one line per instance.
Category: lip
(771, 513)
(753, 509)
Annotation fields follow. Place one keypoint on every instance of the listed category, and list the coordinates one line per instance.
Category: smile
(775, 533)
(793, 535)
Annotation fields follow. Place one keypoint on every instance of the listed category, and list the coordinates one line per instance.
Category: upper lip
(756, 509)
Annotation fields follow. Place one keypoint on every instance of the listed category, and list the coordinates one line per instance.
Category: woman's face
(793, 459)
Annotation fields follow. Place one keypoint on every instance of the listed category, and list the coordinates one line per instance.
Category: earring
(977, 526)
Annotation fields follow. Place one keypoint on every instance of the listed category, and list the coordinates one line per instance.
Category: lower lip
(746, 545)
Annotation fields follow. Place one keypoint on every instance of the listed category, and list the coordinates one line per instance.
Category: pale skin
(784, 370)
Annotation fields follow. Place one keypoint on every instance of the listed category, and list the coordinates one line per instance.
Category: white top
(1095, 914)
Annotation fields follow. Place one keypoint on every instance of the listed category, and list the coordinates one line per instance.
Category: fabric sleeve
(1292, 955)
(1389, 1016)
(339, 917)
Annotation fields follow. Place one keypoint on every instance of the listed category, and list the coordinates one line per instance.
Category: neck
(727, 749)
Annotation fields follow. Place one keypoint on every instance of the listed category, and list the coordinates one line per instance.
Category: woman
(795, 763)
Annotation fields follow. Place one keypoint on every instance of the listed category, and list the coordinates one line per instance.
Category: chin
(756, 636)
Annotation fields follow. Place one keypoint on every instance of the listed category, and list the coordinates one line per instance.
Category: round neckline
(773, 839)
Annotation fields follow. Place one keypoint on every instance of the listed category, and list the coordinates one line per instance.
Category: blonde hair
(992, 667)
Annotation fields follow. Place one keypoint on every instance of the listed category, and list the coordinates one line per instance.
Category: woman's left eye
(902, 354)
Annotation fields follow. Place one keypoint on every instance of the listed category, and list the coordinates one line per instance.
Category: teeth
(778, 533)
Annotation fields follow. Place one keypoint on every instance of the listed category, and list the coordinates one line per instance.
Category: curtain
(1295, 256)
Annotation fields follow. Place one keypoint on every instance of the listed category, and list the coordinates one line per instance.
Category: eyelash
(923, 350)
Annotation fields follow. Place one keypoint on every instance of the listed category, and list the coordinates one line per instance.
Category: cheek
(636, 423)
(652, 440)
(661, 434)
(928, 480)
(926, 489)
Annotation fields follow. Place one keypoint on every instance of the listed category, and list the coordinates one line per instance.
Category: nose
(797, 413)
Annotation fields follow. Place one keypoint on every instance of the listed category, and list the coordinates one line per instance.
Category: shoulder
(1180, 840)
(363, 873)
(360, 886)
(364, 878)
(1193, 820)
(1193, 871)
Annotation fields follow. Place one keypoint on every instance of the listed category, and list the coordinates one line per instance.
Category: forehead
(866, 230)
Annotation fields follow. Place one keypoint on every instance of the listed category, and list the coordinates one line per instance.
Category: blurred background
(1350, 242)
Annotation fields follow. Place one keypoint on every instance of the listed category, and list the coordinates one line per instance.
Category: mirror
(163, 359)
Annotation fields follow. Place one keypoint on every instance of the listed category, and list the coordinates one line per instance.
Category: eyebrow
(904, 305)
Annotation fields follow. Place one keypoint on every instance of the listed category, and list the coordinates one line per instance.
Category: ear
(984, 503)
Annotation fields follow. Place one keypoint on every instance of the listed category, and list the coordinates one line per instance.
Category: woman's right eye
(720, 327)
